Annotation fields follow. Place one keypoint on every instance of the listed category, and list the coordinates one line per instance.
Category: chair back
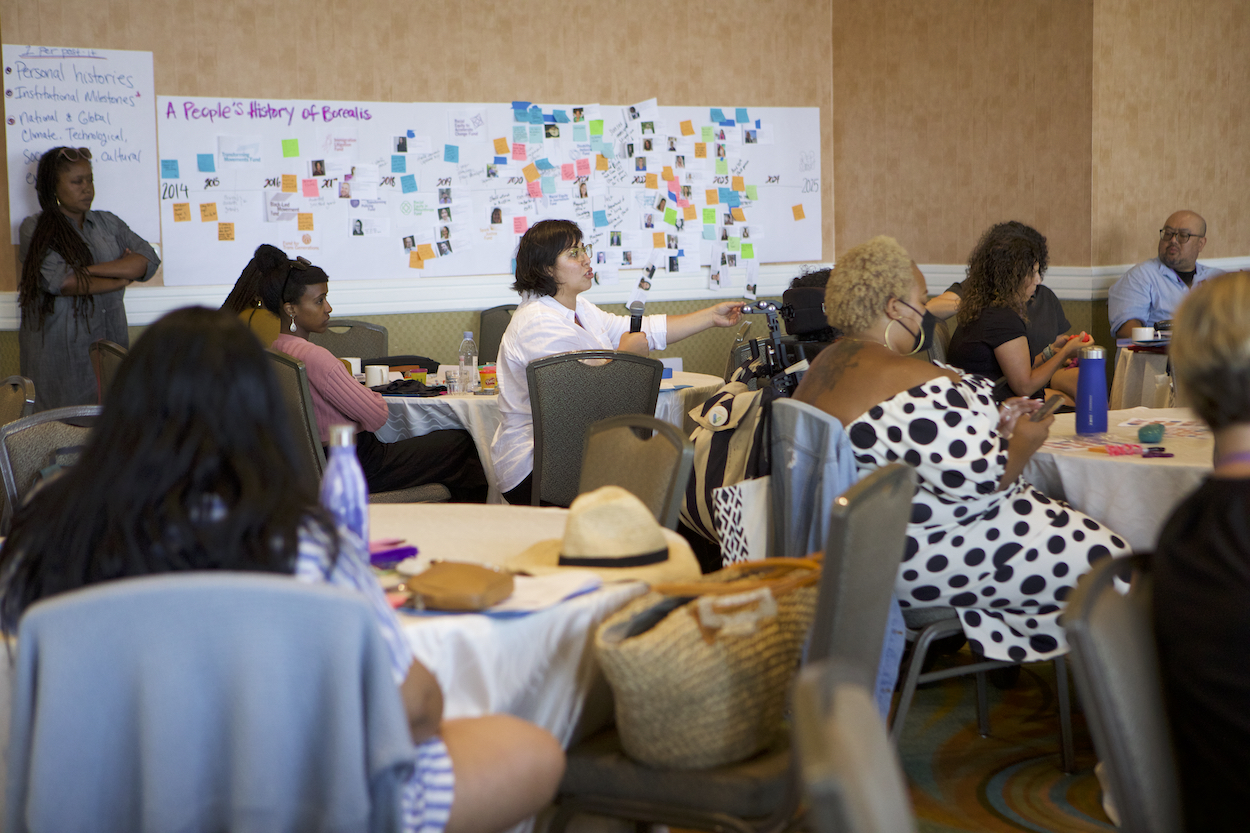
(297, 396)
(571, 391)
(941, 342)
(1117, 674)
(646, 456)
(348, 337)
(106, 358)
(219, 698)
(811, 463)
(17, 399)
(34, 442)
(867, 536)
(490, 327)
(850, 771)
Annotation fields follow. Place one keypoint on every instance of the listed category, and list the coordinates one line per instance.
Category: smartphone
(1044, 411)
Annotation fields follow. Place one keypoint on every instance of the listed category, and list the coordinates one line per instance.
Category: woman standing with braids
(76, 264)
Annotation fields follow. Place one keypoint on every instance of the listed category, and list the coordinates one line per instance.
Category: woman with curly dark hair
(1004, 271)
(76, 264)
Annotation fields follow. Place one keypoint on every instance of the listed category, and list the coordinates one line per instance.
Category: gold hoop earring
(888, 345)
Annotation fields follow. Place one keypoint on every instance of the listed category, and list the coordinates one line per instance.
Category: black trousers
(448, 457)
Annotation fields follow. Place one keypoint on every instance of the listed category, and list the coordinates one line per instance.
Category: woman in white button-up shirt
(553, 269)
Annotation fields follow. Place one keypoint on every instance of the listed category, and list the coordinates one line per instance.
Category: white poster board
(100, 99)
(372, 190)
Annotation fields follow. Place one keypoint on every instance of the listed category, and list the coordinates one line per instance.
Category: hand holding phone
(1046, 410)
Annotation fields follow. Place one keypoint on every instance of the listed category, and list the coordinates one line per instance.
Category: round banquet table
(1132, 495)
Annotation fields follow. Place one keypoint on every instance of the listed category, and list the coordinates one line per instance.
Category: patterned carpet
(1008, 781)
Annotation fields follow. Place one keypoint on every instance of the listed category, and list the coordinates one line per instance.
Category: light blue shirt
(1150, 292)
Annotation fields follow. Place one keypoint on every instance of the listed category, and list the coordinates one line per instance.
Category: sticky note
(596, 127)
(740, 114)
(522, 116)
(689, 212)
(739, 184)
(700, 150)
(544, 165)
(290, 147)
(205, 162)
(208, 212)
(718, 115)
(709, 216)
(713, 197)
(798, 212)
(687, 128)
(536, 134)
(738, 215)
(412, 134)
(709, 232)
(520, 224)
(566, 172)
(725, 195)
(303, 221)
(399, 163)
(426, 251)
(674, 188)
(601, 162)
(501, 145)
(707, 133)
(531, 172)
(536, 115)
(290, 183)
(560, 116)
(583, 166)
(408, 183)
(501, 160)
(521, 105)
(722, 167)
(549, 184)
(451, 153)
(657, 239)
(520, 133)
(733, 244)
(225, 231)
(310, 187)
(653, 182)
(579, 132)
(534, 189)
(670, 216)
(667, 173)
(731, 198)
(518, 152)
(601, 218)
(414, 260)
(169, 169)
(753, 192)
(182, 212)
(748, 250)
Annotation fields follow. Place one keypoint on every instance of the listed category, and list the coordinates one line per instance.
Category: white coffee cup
(1143, 334)
(355, 364)
(375, 374)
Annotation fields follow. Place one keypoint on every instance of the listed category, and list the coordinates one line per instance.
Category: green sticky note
(735, 243)
(596, 127)
(748, 251)
(753, 192)
(722, 167)
(670, 216)
(290, 147)
(707, 133)
(709, 216)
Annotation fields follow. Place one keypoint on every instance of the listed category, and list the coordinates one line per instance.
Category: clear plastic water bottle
(468, 363)
(344, 492)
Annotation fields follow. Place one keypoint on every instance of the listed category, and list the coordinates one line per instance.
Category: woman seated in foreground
(980, 539)
(1004, 271)
(190, 468)
(1202, 568)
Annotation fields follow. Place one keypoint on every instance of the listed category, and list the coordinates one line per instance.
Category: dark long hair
(265, 262)
(190, 467)
(537, 253)
(282, 280)
(53, 232)
(999, 265)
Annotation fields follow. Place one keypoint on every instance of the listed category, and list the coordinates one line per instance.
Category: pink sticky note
(583, 167)
(566, 172)
(520, 224)
(674, 186)
(518, 152)
(535, 188)
(311, 188)
(682, 203)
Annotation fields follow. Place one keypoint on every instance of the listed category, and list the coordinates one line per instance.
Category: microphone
(635, 316)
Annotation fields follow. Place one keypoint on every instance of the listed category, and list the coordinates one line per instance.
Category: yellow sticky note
(687, 128)
(668, 174)
(304, 221)
(225, 231)
(657, 239)
(501, 148)
(690, 212)
(208, 212)
(182, 212)
(426, 251)
(700, 150)
(653, 182)
(289, 183)
(798, 212)
(737, 214)
(713, 196)
(414, 258)
(601, 162)
(531, 172)
(739, 184)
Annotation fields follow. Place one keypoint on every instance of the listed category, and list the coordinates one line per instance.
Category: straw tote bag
(700, 669)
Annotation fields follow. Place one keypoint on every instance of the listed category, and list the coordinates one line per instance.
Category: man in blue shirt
(1151, 291)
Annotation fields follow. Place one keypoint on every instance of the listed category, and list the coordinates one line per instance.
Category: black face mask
(928, 322)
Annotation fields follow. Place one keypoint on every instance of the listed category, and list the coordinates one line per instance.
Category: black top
(1202, 623)
(972, 346)
(1046, 318)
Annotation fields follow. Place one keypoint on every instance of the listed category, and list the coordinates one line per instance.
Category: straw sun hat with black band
(611, 532)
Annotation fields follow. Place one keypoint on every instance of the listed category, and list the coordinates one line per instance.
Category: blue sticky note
(549, 185)
(709, 232)
(561, 116)
(681, 252)
(733, 201)
(521, 116)
(672, 196)
(408, 183)
(521, 105)
(757, 124)
(451, 153)
(727, 123)
(607, 151)
(412, 134)
(544, 164)
(520, 133)
(717, 115)
(579, 132)
(536, 134)
(725, 194)
(741, 115)
(169, 169)
(549, 118)
(399, 164)
(501, 160)
(601, 218)
(536, 115)
(206, 162)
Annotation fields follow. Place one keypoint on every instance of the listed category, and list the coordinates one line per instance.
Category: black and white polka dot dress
(1006, 560)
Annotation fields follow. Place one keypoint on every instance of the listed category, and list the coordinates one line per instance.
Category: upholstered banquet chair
(350, 338)
(106, 359)
(491, 326)
(646, 456)
(35, 443)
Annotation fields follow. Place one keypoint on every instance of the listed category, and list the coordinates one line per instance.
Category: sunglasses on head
(75, 154)
(300, 263)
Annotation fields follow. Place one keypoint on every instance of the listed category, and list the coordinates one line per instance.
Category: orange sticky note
(739, 184)
(182, 212)
(225, 231)
(531, 172)
(700, 150)
(687, 128)
(208, 212)
(415, 261)
(737, 214)
(653, 181)
(290, 183)
(690, 212)
(657, 239)
(304, 222)
(713, 196)
(601, 162)
(426, 251)
(667, 173)
(501, 148)
(798, 212)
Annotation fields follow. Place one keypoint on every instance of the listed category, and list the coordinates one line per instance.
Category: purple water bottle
(343, 490)
(1091, 391)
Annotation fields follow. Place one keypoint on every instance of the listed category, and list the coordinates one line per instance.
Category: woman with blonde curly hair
(981, 539)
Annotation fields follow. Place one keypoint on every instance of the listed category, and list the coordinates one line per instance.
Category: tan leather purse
(455, 585)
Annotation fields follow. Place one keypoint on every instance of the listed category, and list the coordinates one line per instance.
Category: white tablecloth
(1132, 495)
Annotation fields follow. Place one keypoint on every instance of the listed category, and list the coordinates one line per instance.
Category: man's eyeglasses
(75, 154)
(580, 251)
(1182, 236)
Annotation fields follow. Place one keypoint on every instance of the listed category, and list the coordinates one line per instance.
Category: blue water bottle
(1091, 391)
(343, 490)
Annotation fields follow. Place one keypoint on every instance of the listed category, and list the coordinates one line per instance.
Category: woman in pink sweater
(296, 293)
